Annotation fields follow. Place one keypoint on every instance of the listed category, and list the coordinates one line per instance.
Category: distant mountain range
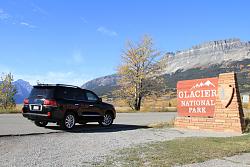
(103, 85)
(201, 61)
(23, 90)
(207, 54)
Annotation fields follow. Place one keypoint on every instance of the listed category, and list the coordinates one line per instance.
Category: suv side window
(91, 97)
(61, 93)
(80, 95)
(67, 93)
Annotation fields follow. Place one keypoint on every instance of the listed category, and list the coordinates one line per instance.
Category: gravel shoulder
(87, 145)
(83, 148)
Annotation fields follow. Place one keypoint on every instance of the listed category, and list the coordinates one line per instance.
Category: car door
(67, 98)
(90, 106)
(81, 102)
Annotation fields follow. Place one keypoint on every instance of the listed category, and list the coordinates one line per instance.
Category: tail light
(50, 102)
(26, 101)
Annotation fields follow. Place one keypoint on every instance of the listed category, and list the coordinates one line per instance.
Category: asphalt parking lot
(16, 124)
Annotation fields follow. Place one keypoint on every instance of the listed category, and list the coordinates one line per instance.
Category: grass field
(145, 109)
(149, 104)
(180, 151)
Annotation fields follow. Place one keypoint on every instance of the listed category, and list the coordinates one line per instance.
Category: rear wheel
(41, 123)
(69, 121)
(107, 120)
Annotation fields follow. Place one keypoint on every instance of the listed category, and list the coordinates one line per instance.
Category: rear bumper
(48, 113)
(38, 117)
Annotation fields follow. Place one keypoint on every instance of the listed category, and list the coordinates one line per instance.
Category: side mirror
(100, 100)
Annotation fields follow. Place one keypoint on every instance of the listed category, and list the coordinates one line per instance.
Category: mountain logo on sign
(200, 85)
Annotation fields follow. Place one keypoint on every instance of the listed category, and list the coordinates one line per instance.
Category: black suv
(66, 105)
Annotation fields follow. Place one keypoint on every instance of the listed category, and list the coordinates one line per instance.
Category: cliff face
(210, 53)
(204, 60)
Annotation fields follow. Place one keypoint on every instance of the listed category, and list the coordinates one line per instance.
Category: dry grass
(179, 151)
(16, 109)
(247, 121)
(168, 124)
(123, 109)
(247, 114)
(126, 109)
(246, 105)
(159, 109)
(148, 105)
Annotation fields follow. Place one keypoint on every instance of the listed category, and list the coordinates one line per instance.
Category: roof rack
(64, 85)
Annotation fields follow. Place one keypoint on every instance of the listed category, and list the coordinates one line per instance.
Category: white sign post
(245, 98)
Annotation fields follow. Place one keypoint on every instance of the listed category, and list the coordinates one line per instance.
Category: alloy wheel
(107, 120)
(69, 121)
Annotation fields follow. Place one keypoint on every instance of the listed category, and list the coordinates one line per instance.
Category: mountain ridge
(204, 60)
(208, 53)
(23, 90)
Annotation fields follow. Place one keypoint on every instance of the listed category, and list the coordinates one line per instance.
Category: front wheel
(41, 123)
(69, 121)
(107, 120)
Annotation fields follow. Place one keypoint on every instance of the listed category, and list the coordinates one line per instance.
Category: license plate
(35, 107)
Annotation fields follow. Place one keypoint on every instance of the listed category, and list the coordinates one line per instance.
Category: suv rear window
(44, 92)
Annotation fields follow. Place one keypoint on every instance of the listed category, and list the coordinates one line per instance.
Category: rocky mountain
(206, 54)
(102, 85)
(242, 68)
(204, 60)
(23, 90)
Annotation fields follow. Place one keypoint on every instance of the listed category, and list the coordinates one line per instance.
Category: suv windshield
(43, 92)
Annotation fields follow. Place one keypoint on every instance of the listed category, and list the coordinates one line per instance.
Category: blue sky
(76, 41)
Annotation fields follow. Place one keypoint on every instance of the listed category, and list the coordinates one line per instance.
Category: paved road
(16, 124)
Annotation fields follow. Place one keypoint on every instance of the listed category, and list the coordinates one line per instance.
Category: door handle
(76, 104)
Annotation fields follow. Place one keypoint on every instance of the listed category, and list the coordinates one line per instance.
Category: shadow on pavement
(89, 128)
(92, 128)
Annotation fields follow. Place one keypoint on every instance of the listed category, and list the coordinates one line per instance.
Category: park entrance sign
(212, 104)
(197, 97)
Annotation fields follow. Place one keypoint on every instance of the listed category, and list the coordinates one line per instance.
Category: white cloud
(27, 25)
(4, 15)
(71, 78)
(106, 31)
(9, 19)
(84, 20)
(38, 9)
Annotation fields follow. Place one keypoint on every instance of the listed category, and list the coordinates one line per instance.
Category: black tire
(68, 121)
(107, 120)
(41, 123)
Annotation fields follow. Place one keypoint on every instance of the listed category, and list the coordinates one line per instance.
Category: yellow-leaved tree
(140, 72)
(7, 91)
